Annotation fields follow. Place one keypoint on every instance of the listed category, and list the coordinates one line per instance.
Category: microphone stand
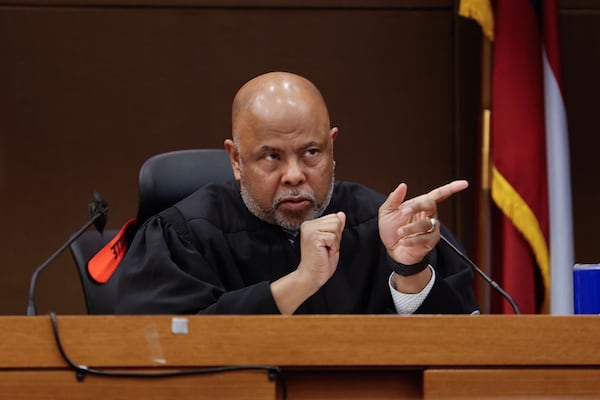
(489, 280)
(98, 210)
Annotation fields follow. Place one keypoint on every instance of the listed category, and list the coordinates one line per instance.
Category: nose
(293, 173)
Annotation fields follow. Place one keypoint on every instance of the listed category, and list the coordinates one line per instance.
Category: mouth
(294, 203)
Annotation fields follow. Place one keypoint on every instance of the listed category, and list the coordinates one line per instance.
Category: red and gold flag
(528, 128)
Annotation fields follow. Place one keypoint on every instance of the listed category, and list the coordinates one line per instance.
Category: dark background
(90, 89)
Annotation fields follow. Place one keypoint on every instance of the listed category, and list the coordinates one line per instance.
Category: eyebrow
(269, 148)
(310, 144)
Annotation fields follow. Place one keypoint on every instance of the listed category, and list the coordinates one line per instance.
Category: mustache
(296, 194)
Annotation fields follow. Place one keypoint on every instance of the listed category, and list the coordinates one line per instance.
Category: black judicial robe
(209, 254)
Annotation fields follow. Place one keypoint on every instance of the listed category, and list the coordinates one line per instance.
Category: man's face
(286, 167)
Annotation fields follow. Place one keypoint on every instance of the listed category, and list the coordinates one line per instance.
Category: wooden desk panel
(292, 341)
(52, 384)
(329, 357)
(512, 384)
(373, 384)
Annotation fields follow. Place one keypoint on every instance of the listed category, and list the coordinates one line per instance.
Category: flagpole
(484, 221)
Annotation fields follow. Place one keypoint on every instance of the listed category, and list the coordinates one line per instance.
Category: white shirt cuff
(407, 303)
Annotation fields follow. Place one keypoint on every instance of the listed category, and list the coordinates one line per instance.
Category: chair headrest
(169, 177)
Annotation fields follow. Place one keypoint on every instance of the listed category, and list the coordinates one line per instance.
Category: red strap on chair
(102, 265)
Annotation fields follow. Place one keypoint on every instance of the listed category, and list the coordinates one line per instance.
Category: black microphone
(489, 280)
(98, 209)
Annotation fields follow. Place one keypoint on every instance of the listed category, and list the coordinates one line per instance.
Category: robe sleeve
(164, 273)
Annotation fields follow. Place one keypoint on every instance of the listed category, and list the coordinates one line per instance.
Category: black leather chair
(99, 297)
(164, 179)
(169, 177)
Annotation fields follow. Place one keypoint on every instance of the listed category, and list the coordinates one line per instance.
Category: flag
(480, 11)
(530, 181)
(518, 150)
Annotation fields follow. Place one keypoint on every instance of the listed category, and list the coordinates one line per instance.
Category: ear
(234, 157)
(333, 133)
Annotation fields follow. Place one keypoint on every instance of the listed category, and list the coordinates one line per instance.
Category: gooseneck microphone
(98, 209)
(489, 280)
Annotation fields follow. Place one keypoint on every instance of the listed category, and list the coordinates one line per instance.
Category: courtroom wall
(89, 90)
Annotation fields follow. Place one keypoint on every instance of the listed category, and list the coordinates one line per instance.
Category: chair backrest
(169, 177)
(164, 179)
(99, 298)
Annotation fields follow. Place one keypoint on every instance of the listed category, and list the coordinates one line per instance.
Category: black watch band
(408, 270)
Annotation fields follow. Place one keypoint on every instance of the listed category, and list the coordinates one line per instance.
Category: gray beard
(274, 216)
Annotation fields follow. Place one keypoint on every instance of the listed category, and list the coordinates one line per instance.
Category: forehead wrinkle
(266, 147)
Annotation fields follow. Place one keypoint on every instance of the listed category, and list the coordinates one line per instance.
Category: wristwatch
(408, 270)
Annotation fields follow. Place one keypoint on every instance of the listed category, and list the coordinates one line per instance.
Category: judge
(285, 237)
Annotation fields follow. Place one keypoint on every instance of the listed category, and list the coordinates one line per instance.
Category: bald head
(278, 98)
(282, 149)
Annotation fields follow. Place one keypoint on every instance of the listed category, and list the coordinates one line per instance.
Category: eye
(312, 152)
(271, 156)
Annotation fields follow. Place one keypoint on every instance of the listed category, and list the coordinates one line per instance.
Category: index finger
(443, 192)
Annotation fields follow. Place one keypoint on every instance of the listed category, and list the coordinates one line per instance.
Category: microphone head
(98, 208)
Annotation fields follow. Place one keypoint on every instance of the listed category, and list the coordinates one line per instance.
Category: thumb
(342, 218)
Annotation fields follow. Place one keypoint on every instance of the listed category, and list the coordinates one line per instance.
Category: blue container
(586, 288)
